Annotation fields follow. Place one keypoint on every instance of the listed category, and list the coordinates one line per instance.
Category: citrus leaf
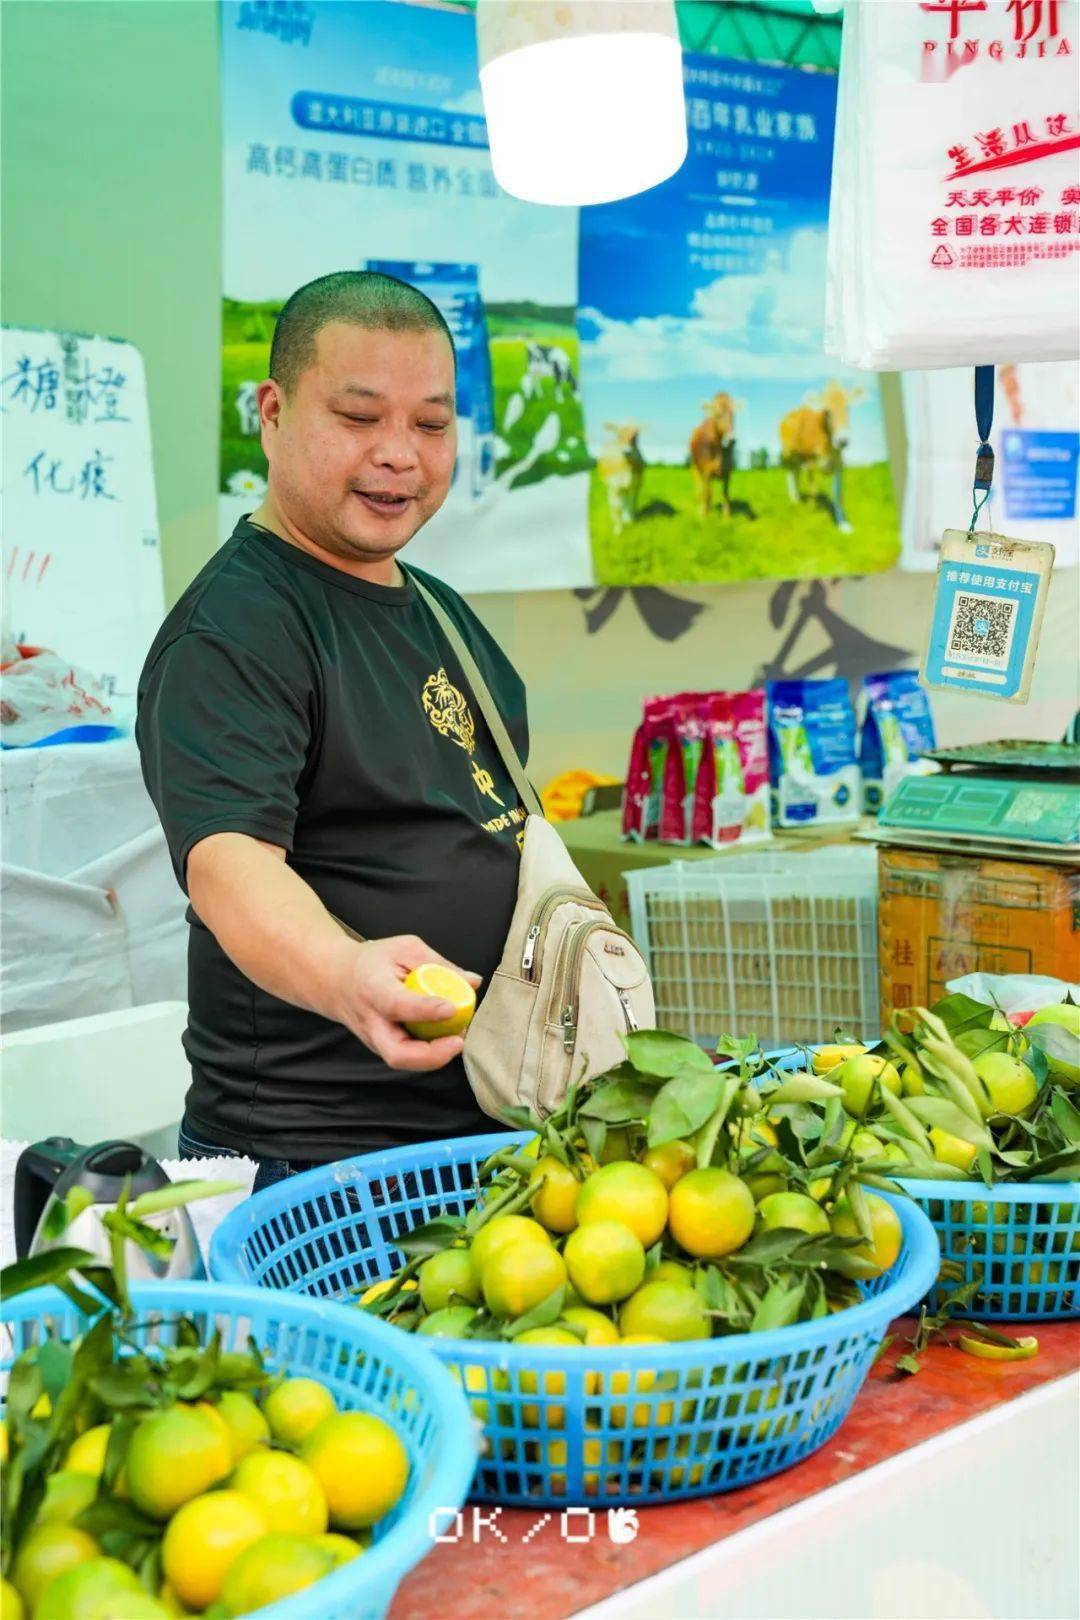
(176, 1195)
(947, 1116)
(780, 1307)
(432, 1237)
(62, 1211)
(618, 1103)
(543, 1315)
(1066, 1117)
(56, 1360)
(41, 1269)
(107, 1513)
(684, 1104)
(595, 1133)
(658, 1051)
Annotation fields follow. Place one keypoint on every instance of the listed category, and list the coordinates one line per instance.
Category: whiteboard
(82, 551)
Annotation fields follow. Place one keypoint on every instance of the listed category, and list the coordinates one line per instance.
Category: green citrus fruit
(1010, 1083)
(793, 1211)
(503, 1229)
(47, 1552)
(605, 1261)
(667, 1310)
(518, 1276)
(174, 1454)
(272, 1569)
(295, 1407)
(448, 1279)
(452, 1322)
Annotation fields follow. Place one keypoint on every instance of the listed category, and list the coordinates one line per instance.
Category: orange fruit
(555, 1198)
(712, 1213)
(669, 1161)
(361, 1465)
(868, 1260)
(629, 1193)
(203, 1541)
(285, 1491)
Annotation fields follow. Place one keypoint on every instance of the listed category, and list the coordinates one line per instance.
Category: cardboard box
(941, 916)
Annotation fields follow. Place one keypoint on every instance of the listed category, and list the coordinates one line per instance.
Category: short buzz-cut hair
(366, 298)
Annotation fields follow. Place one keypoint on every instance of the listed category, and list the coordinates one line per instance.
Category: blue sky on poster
(382, 52)
(715, 280)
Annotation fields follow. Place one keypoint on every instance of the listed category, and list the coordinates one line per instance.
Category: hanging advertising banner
(726, 445)
(683, 325)
(354, 139)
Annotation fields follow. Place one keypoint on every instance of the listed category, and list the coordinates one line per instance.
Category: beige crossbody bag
(570, 982)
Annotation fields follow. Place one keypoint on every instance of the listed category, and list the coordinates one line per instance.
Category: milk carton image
(455, 289)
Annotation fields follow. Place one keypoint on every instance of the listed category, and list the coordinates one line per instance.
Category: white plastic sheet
(93, 915)
(955, 215)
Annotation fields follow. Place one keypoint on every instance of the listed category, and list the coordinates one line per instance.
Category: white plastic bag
(954, 224)
(43, 698)
(1014, 992)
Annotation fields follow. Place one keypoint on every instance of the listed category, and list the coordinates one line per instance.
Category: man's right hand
(371, 1001)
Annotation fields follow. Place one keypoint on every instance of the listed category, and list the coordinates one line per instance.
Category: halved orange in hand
(432, 979)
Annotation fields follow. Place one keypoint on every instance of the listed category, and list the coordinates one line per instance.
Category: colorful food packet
(731, 799)
(813, 771)
(897, 729)
(653, 741)
(681, 768)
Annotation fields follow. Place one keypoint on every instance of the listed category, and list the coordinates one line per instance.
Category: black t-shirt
(285, 699)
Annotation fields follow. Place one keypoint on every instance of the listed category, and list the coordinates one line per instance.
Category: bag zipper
(577, 939)
(628, 1011)
(541, 917)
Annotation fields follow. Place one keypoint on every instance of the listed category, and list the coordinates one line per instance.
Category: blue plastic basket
(1020, 1240)
(620, 1424)
(366, 1364)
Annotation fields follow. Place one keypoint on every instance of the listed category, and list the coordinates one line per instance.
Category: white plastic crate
(779, 946)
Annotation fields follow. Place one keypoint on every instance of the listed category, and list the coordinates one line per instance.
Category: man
(315, 753)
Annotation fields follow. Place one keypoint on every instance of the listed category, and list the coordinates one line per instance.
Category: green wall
(111, 215)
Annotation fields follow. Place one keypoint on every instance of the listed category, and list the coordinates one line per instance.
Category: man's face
(362, 451)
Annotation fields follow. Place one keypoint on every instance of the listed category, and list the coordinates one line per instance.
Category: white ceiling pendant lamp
(583, 98)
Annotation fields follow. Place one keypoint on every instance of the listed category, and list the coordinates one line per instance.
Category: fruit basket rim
(389, 1559)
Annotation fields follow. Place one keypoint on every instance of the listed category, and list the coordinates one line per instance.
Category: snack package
(653, 741)
(813, 771)
(681, 768)
(897, 730)
(731, 799)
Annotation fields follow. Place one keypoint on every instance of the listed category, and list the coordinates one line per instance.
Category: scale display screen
(1030, 812)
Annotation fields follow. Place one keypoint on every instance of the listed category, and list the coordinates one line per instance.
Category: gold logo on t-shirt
(449, 713)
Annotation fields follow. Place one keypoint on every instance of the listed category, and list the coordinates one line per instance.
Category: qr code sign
(981, 630)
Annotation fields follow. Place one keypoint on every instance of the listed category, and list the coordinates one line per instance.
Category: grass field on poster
(779, 541)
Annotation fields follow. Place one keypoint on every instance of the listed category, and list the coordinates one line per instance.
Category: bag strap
(484, 700)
